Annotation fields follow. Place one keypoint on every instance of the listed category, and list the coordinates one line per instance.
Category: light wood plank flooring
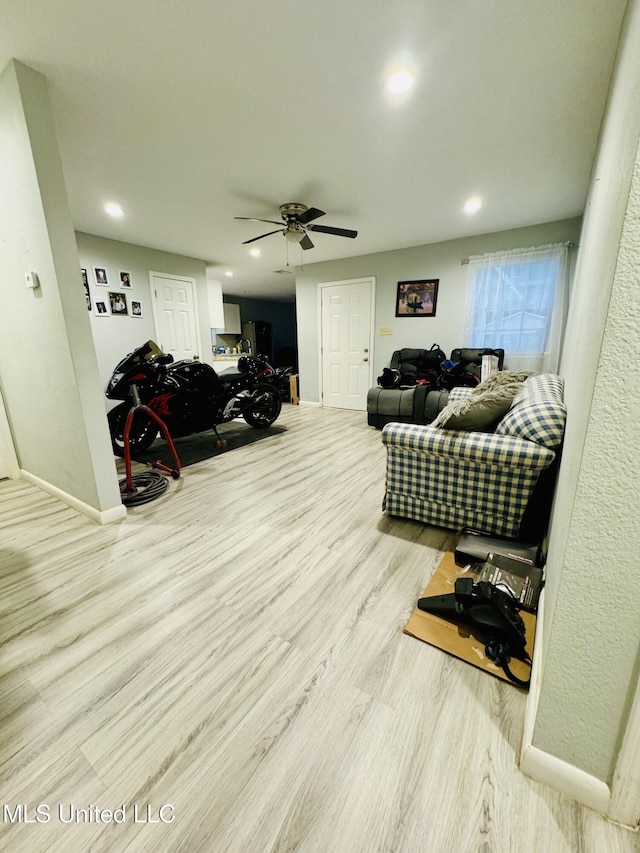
(234, 651)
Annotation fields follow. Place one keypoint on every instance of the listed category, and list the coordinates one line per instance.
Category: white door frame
(154, 304)
(371, 279)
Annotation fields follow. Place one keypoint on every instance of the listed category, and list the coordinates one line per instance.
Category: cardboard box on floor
(461, 640)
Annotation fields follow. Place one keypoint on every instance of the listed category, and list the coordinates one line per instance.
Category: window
(516, 300)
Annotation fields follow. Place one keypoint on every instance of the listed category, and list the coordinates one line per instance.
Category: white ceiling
(190, 114)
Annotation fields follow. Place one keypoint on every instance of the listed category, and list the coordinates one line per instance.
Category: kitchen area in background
(256, 327)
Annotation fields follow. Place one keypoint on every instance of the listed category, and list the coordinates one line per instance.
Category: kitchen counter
(225, 362)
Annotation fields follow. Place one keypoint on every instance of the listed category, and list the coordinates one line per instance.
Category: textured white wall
(47, 363)
(592, 637)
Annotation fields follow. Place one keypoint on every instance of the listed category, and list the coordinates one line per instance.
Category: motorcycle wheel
(266, 408)
(142, 435)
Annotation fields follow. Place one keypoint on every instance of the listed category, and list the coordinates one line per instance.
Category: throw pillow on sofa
(485, 406)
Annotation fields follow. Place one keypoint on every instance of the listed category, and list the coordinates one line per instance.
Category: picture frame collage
(115, 302)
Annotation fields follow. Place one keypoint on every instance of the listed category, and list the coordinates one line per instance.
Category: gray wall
(436, 260)
(592, 637)
(114, 337)
(48, 369)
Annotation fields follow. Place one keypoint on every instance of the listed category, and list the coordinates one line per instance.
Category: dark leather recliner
(420, 404)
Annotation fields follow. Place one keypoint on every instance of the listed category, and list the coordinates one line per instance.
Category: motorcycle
(187, 395)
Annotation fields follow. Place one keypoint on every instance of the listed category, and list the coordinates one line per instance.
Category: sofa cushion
(543, 386)
(481, 409)
(538, 413)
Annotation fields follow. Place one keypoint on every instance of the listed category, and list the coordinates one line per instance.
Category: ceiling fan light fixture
(255, 253)
(294, 235)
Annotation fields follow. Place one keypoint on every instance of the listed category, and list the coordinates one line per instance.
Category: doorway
(175, 312)
(346, 342)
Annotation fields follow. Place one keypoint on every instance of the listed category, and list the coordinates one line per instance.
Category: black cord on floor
(499, 652)
(145, 487)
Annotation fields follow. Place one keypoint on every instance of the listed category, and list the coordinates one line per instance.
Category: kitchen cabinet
(232, 324)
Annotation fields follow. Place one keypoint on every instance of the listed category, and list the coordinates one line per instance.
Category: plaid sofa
(481, 480)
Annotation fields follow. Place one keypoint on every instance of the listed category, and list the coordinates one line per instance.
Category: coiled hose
(145, 487)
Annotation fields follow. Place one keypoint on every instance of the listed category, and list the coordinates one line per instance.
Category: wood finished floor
(235, 650)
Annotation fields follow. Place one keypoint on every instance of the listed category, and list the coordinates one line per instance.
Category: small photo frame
(87, 292)
(100, 274)
(136, 309)
(125, 279)
(118, 302)
(101, 308)
(417, 298)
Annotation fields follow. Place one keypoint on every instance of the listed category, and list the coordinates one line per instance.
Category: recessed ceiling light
(114, 210)
(229, 274)
(473, 205)
(400, 82)
(255, 253)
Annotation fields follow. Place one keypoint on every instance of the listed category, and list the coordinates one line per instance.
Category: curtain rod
(466, 260)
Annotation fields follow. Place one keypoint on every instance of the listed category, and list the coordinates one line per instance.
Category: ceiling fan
(297, 219)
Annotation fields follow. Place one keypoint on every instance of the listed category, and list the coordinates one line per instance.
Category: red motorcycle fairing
(160, 404)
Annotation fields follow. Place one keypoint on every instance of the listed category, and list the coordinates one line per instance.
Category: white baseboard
(569, 780)
(544, 767)
(309, 403)
(106, 516)
(534, 687)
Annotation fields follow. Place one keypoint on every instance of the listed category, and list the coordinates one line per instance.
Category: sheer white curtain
(517, 300)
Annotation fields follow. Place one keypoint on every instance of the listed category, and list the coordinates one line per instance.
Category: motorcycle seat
(231, 375)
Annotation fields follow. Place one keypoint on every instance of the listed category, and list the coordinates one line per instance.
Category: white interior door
(346, 316)
(176, 315)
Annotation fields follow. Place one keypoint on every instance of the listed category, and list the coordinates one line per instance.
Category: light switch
(386, 330)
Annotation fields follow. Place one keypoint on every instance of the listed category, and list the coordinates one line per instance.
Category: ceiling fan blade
(253, 219)
(308, 215)
(306, 243)
(327, 229)
(268, 234)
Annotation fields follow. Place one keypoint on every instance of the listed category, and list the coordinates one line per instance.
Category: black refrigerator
(258, 333)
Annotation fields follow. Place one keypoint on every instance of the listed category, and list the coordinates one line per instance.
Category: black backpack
(419, 365)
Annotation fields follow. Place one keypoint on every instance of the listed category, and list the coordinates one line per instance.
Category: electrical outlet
(386, 330)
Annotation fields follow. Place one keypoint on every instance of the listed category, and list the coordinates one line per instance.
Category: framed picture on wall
(87, 292)
(125, 279)
(118, 303)
(101, 276)
(136, 309)
(417, 298)
(101, 308)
